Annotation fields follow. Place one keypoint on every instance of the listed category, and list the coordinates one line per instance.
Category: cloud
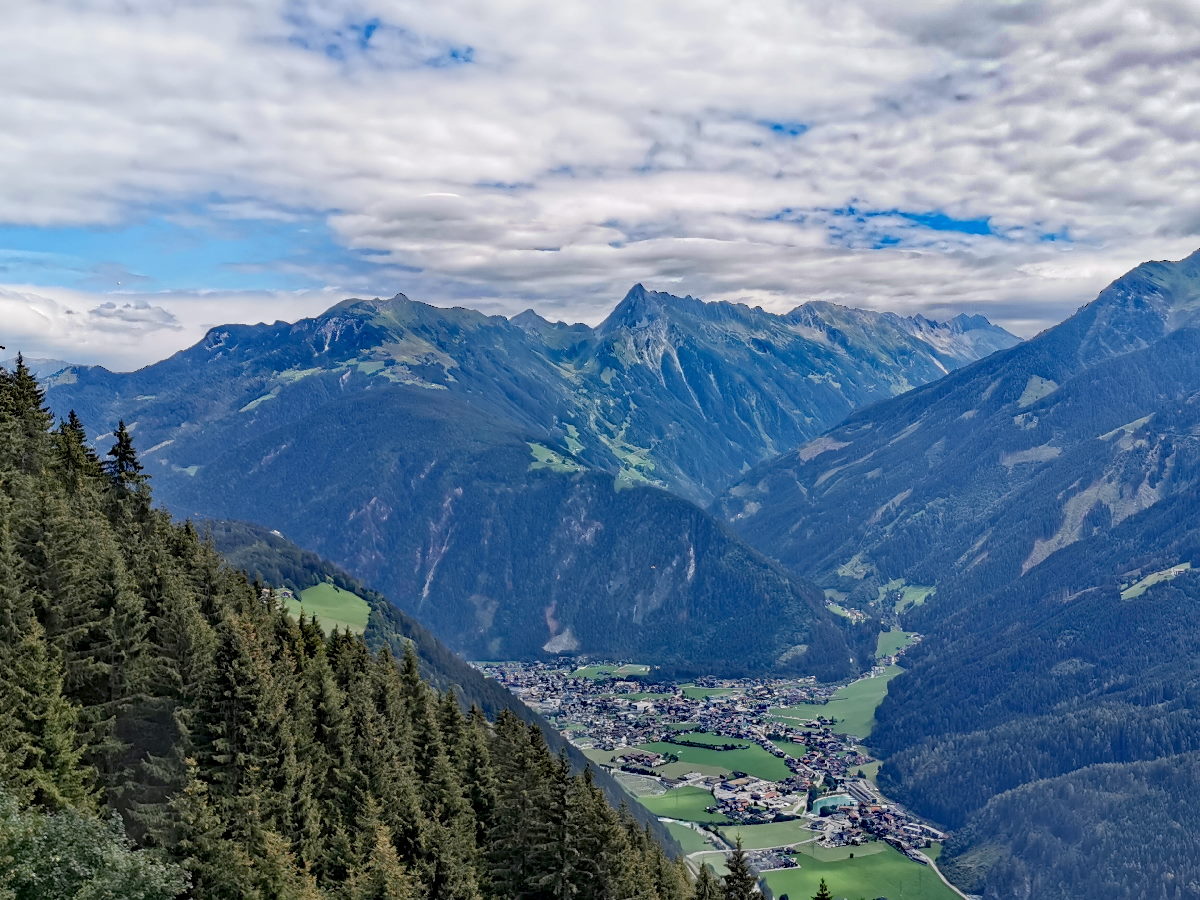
(551, 154)
(130, 330)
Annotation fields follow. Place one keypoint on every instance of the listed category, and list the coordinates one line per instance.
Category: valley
(778, 765)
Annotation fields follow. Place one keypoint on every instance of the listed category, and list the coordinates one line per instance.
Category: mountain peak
(640, 306)
(375, 304)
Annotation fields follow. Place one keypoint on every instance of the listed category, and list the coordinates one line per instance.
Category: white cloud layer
(586, 146)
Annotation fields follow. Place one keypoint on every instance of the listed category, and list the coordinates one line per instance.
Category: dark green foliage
(707, 886)
(740, 881)
(68, 855)
(246, 754)
(823, 892)
(1103, 831)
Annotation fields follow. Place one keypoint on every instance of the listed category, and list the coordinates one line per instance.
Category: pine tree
(74, 460)
(382, 876)
(740, 882)
(24, 404)
(823, 892)
(123, 466)
(707, 887)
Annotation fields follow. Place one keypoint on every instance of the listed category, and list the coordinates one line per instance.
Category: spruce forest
(167, 723)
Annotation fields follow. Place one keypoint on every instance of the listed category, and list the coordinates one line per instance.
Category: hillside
(269, 558)
(997, 465)
(236, 751)
(428, 450)
(1048, 494)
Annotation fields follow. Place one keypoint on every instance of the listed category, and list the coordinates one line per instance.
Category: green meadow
(871, 873)
(853, 706)
(610, 671)
(333, 607)
(688, 803)
(689, 839)
(699, 693)
(891, 642)
(773, 834)
(753, 760)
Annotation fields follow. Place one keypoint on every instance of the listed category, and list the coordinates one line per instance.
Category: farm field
(1136, 590)
(699, 693)
(886, 873)
(610, 672)
(753, 760)
(773, 834)
(891, 642)
(853, 705)
(715, 861)
(836, 854)
(333, 607)
(689, 839)
(687, 803)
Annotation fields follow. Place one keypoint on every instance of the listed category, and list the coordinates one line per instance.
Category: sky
(177, 164)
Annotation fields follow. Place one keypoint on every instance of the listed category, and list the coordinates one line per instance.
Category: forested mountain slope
(1001, 463)
(1050, 494)
(491, 476)
(271, 559)
(247, 754)
(668, 390)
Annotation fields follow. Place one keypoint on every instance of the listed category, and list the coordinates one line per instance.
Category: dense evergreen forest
(167, 730)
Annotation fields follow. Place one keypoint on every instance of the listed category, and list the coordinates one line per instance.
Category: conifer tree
(24, 403)
(76, 462)
(740, 882)
(707, 887)
(140, 675)
(123, 466)
(823, 892)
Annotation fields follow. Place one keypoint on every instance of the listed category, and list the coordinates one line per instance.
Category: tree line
(167, 730)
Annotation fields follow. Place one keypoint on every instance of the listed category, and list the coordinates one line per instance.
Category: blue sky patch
(197, 252)
(785, 128)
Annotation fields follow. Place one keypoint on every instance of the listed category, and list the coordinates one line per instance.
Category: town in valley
(777, 763)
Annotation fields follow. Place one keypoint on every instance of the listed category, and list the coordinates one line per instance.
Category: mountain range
(690, 483)
(506, 480)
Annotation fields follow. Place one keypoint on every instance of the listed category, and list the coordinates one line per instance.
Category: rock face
(499, 478)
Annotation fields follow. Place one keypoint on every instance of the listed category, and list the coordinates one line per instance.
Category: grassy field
(333, 607)
(545, 458)
(687, 803)
(689, 839)
(913, 595)
(853, 705)
(610, 672)
(679, 769)
(836, 854)
(639, 785)
(715, 861)
(699, 693)
(892, 641)
(773, 834)
(1136, 590)
(792, 747)
(884, 873)
(753, 760)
